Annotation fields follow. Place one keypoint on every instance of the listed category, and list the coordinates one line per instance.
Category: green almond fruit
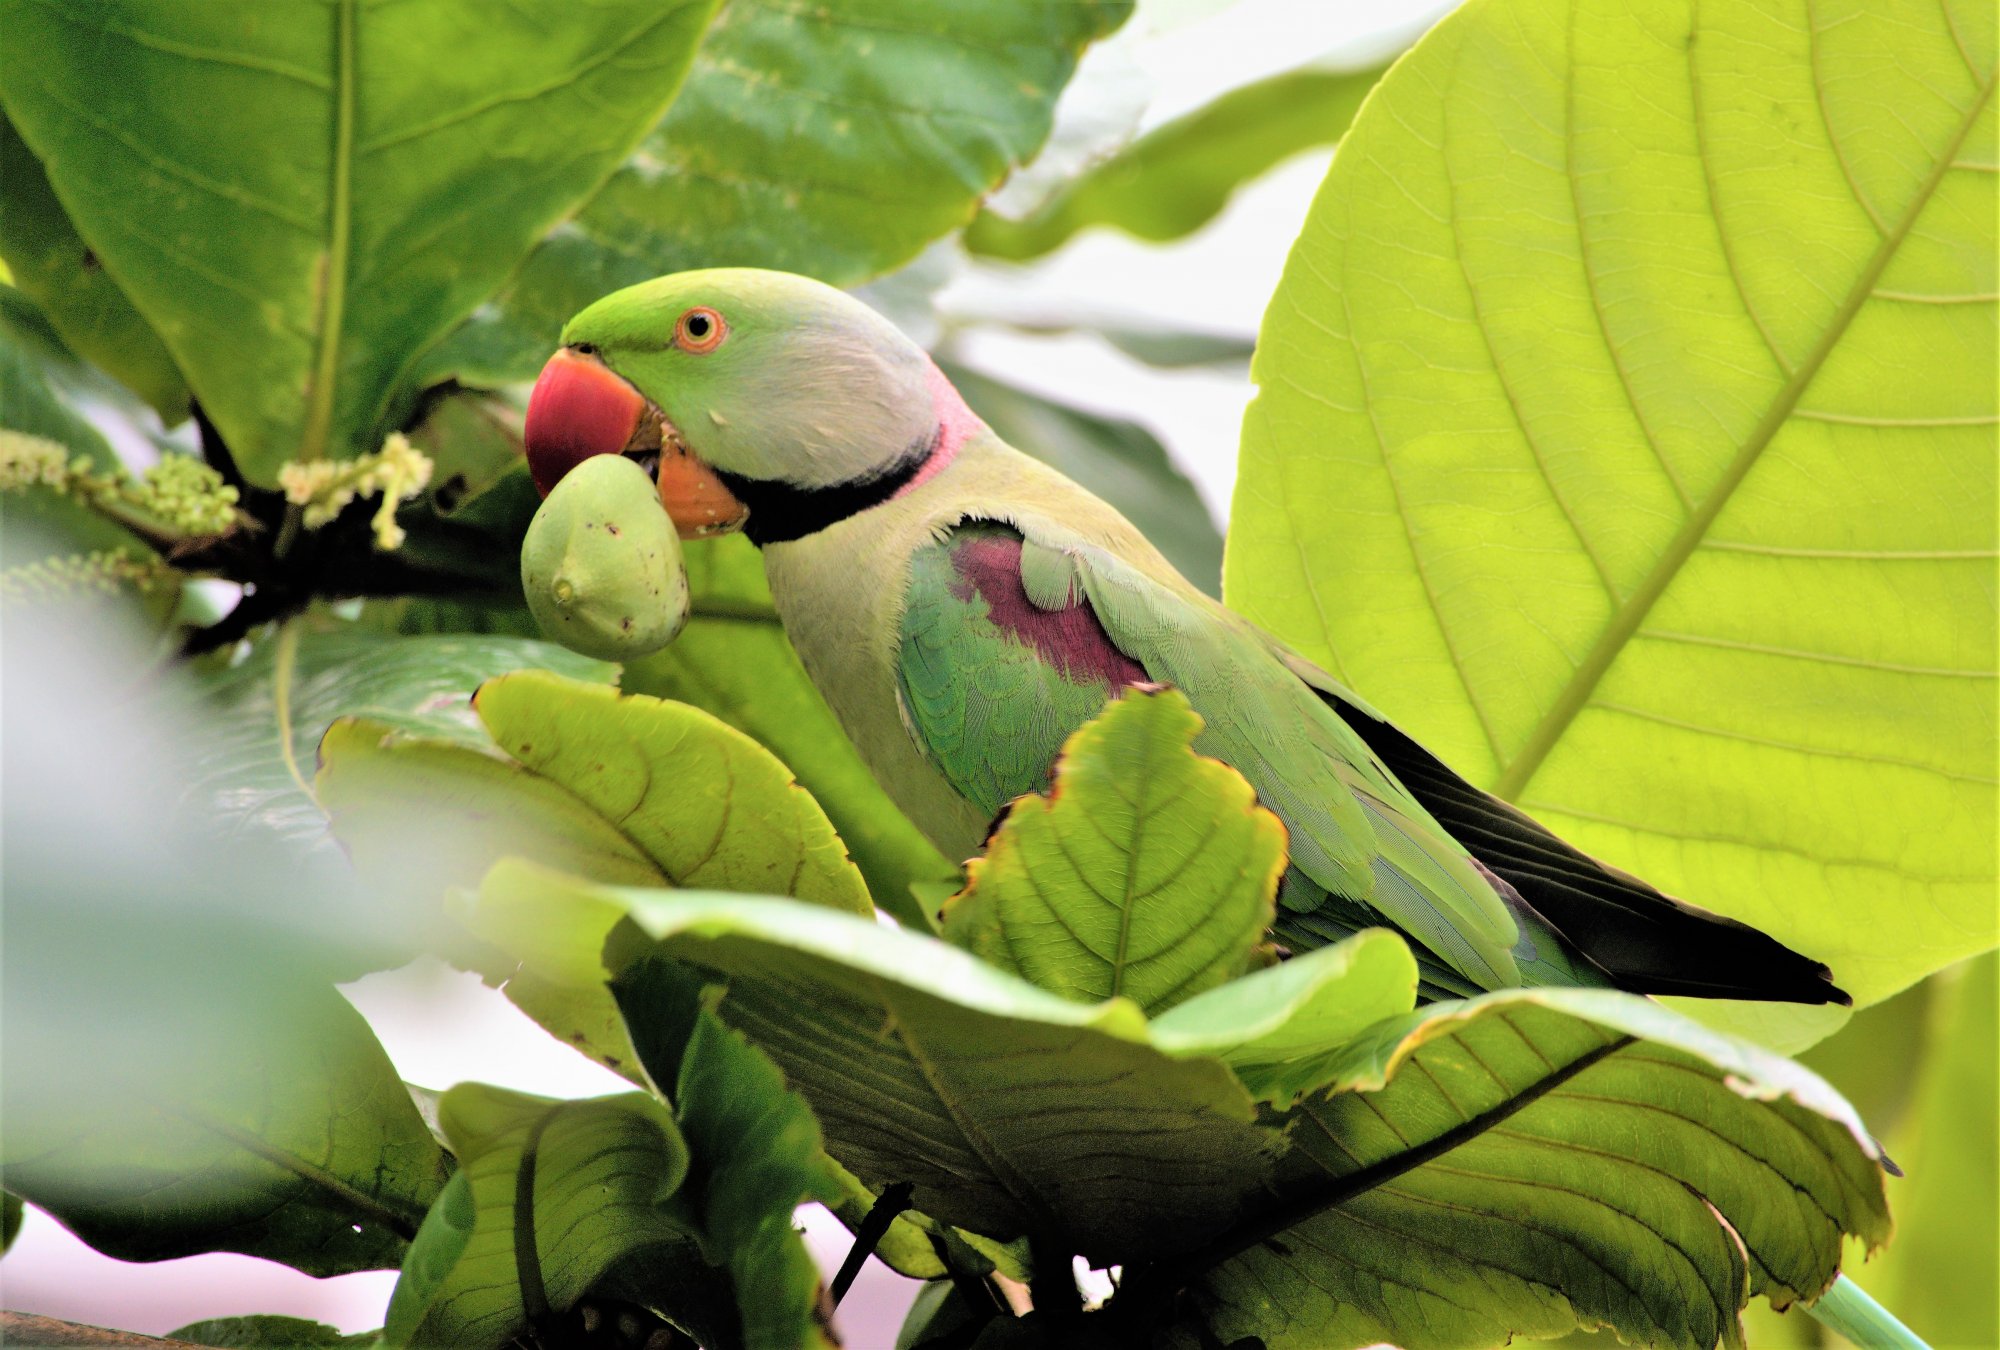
(601, 564)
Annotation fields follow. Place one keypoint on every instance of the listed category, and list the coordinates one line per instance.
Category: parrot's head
(762, 400)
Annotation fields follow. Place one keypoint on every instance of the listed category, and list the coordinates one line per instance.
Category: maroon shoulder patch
(988, 564)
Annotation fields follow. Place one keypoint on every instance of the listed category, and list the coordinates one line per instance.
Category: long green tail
(1847, 1310)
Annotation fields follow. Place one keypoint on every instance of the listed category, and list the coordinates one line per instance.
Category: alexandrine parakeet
(964, 608)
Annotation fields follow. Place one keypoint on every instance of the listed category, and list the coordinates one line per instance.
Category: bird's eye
(700, 330)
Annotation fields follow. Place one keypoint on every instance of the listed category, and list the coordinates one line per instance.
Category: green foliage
(758, 1148)
(64, 277)
(549, 1195)
(1278, 1028)
(1175, 179)
(264, 1332)
(366, 150)
(34, 365)
(1624, 427)
(264, 1119)
(1421, 1133)
(276, 704)
(653, 767)
(1147, 873)
(926, 1065)
(623, 1198)
(1627, 1172)
(835, 140)
(622, 790)
(1938, 1272)
(1646, 357)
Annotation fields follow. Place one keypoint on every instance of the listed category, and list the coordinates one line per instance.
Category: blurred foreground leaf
(259, 1116)
(1938, 1274)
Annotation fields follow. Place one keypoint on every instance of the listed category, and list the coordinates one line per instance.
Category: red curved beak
(578, 409)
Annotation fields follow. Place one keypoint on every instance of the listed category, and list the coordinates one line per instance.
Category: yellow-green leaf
(1148, 871)
(1626, 429)
(654, 768)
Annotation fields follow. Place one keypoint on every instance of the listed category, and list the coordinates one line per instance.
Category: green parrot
(964, 608)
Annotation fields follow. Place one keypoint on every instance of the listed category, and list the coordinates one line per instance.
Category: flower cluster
(398, 472)
(105, 571)
(179, 496)
(188, 495)
(34, 461)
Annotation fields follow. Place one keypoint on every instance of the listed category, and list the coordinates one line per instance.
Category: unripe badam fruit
(601, 563)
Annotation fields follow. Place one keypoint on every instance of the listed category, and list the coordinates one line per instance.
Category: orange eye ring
(700, 331)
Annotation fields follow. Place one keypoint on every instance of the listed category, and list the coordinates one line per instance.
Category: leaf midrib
(1633, 612)
(402, 1225)
(340, 211)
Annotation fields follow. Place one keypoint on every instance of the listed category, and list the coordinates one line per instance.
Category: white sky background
(442, 1027)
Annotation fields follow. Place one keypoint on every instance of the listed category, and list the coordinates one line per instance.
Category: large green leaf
(1626, 428)
(628, 791)
(301, 198)
(56, 269)
(835, 140)
(1522, 1162)
(686, 1212)
(1178, 177)
(257, 762)
(733, 660)
(1010, 1110)
(425, 815)
(550, 1195)
(241, 1110)
(757, 1155)
(180, 1076)
(1148, 871)
(1939, 1274)
(705, 802)
(1118, 460)
(1280, 1028)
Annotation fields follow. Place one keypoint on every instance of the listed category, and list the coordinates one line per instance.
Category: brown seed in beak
(694, 495)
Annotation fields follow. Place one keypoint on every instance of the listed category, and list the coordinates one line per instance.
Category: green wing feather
(1354, 831)
(991, 710)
